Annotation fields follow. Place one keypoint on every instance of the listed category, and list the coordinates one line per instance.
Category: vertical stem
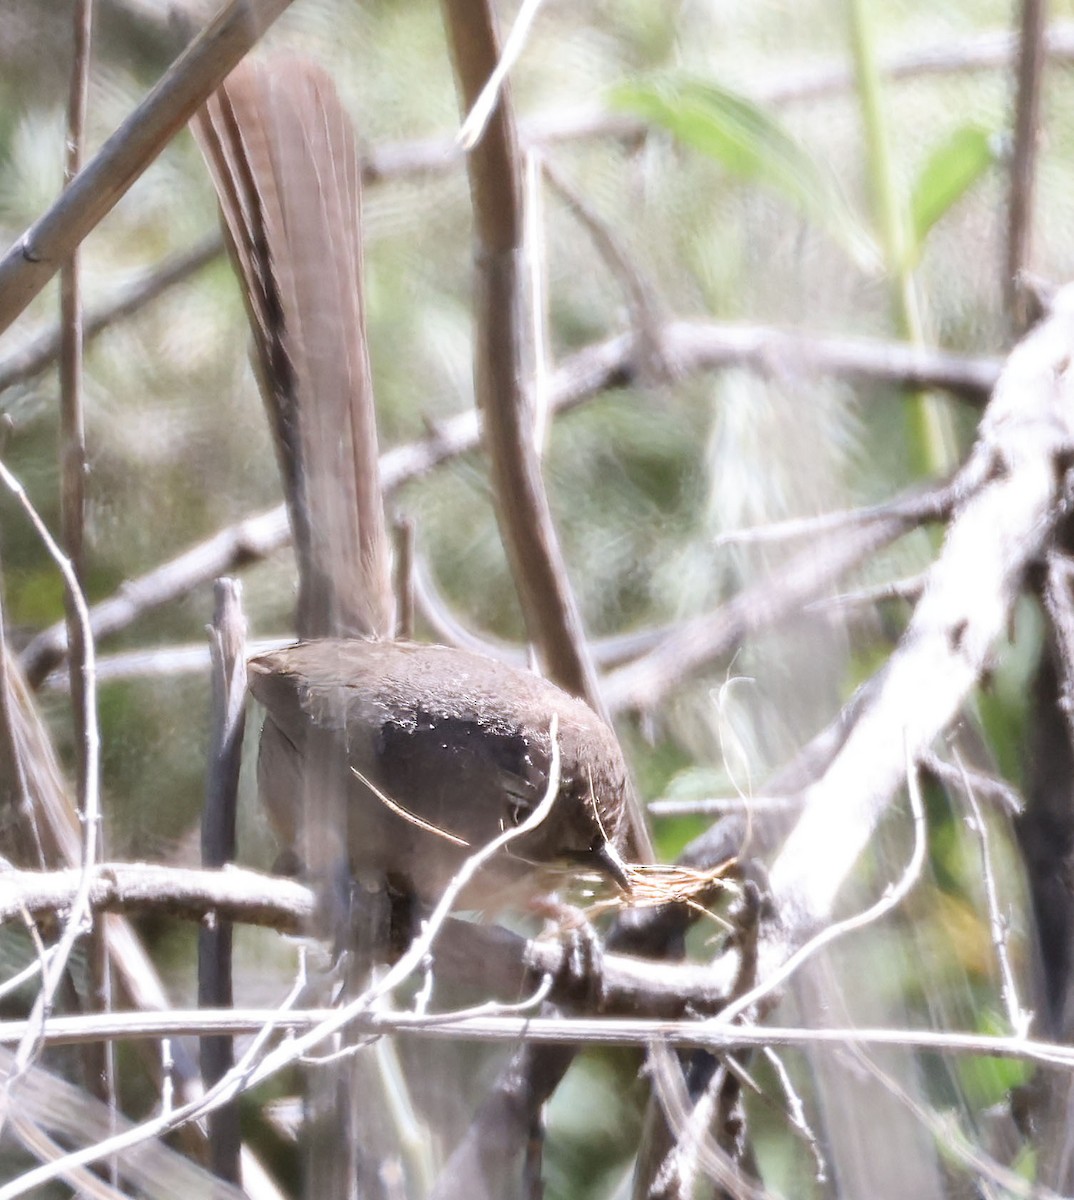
(72, 416)
(228, 647)
(403, 530)
(1024, 160)
(99, 1057)
(503, 371)
(931, 436)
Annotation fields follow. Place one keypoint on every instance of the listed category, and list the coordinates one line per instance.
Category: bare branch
(1018, 1017)
(998, 791)
(692, 346)
(599, 1031)
(233, 894)
(100, 1068)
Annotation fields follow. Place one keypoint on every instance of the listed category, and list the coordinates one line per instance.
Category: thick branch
(498, 960)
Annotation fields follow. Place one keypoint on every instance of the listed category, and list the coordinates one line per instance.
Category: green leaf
(952, 169)
(752, 145)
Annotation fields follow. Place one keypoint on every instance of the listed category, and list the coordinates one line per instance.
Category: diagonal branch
(646, 682)
(691, 345)
(38, 254)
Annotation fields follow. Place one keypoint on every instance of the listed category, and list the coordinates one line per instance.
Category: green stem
(931, 435)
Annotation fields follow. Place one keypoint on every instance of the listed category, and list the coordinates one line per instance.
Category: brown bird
(444, 750)
(383, 764)
(394, 759)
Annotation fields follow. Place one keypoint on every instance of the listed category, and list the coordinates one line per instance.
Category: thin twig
(997, 790)
(100, 1066)
(559, 1030)
(892, 897)
(796, 1114)
(80, 917)
(1019, 1017)
(919, 506)
(40, 351)
(484, 105)
(908, 589)
(645, 308)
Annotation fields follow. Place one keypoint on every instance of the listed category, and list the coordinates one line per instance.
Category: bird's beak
(612, 865)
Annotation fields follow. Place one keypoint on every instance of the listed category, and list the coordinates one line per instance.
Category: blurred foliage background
(738, 165)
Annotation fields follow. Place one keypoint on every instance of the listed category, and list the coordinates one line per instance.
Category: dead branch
(708, 1034)
(1013, 490)
(232, 894)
